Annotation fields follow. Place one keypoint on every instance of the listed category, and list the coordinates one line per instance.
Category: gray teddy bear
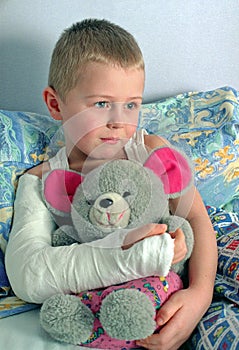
(103, 209)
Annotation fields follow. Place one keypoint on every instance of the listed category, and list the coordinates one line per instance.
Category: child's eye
(102, 104)
(131, 105)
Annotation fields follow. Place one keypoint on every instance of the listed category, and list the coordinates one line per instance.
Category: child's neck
(85, 164)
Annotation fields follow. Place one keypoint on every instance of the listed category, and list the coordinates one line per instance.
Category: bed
(206, 126)
(196, 108)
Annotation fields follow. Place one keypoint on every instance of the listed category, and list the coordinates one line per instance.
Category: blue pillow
(24, 138)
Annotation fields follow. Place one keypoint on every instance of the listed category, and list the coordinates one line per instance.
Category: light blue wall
(187, 45)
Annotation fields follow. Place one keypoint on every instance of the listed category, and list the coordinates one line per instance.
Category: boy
(96, 84)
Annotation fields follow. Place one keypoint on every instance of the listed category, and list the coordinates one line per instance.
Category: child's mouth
(110, 140)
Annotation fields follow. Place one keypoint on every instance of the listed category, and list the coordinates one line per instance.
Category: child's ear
(52, 101)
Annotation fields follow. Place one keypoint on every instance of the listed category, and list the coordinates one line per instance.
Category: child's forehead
(98, 79)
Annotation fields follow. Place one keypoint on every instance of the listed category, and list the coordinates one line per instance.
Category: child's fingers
(180, 247)
(165, 317)
(143, 232)
(167, 311)
(157, 229)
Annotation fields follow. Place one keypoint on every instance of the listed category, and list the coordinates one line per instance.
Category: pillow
(206, 126)
(23, 144)
(24, 138)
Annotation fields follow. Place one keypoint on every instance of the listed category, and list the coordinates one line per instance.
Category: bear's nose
(106, 202)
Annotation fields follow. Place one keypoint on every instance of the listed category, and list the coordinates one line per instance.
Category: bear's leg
(67, 319)
(127, 314)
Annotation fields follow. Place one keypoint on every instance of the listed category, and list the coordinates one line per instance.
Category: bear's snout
(109, 211)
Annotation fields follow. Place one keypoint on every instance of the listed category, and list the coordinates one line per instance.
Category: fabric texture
(206, 126)
(24, 138)
(219, 327)
(157, 289)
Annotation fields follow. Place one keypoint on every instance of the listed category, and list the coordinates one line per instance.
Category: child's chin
(109, 151)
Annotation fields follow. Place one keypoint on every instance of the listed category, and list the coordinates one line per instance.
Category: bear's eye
(126, 194)
(90, 202)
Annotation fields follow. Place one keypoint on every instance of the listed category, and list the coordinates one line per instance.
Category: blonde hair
(91, 40)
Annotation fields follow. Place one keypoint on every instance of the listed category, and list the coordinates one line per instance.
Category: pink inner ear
(172, 168)
(60, 187)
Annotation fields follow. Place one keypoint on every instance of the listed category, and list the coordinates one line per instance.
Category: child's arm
(180, 314)
(37, 270)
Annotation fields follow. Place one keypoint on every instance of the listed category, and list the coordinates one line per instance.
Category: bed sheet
(28, 334)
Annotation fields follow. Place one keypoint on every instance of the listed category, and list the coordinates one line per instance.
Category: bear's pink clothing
(158, 289)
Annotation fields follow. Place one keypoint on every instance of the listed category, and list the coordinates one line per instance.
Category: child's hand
(180, 247)
(143, 232)
(178, 316)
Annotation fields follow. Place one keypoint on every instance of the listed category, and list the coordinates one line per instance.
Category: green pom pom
(67, 319)
(127, 314)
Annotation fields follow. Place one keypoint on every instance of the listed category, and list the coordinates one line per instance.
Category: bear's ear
(172, 168)
(59, 189)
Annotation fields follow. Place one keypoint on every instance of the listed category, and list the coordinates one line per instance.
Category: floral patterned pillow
(206, 126)
(24, 138)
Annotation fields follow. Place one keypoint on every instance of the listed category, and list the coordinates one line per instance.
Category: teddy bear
(105, 208)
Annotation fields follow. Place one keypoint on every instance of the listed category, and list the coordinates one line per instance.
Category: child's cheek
(83, 123)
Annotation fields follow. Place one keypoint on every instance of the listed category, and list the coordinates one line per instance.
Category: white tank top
(135, 150)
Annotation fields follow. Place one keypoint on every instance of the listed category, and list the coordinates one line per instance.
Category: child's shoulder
(155, 141)
(39, 170)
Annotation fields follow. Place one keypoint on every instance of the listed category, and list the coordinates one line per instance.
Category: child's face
(101, 113)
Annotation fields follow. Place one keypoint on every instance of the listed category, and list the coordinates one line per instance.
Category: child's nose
(115, 116)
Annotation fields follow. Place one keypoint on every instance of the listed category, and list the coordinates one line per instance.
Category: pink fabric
(158, 289)
(171, 167)
(59, 188)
